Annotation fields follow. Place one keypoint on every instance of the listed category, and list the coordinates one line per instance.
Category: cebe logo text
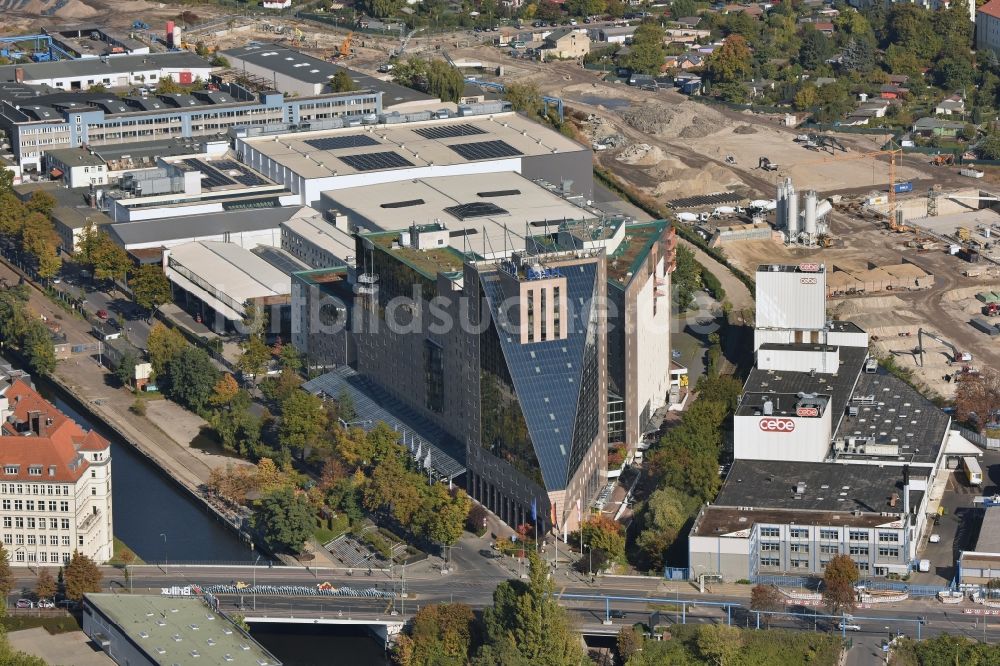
(777, 425)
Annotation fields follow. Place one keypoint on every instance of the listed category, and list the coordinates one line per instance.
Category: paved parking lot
(959, 526)
(69, 649)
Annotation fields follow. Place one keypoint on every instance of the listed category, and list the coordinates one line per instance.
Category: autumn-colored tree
(838, 584)
(164, 344)
(224, 392)
(766, 598)
(81, 576)
(45, 584)
(731, 62)
(977, 398)
(438, 634)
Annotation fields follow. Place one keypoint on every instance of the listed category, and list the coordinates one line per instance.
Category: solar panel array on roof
(485, 150)
(374, 161)
(244, 176)
(449, 131)
(347, 141)
(476, 209)
(211, 177)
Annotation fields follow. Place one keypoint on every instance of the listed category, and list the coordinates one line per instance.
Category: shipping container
(904, 187)
(969, 255)
(985, 326)
(971, 173)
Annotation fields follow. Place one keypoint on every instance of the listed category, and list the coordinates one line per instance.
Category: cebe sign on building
(777, 425)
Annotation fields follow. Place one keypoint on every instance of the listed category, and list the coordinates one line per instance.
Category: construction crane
(894, 153)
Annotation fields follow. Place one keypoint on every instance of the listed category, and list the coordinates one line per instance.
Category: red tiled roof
(55, 445)
(991, 8)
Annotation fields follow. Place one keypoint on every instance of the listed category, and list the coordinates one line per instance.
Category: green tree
(524, 96)
(220, 61)
(647, 53)
(381, 8)
(441, 516)
(6, 580)
(150, 286)
(806, 97)
(125, 372)
(816, 48)
(439, 634)
(45, 585)
(236, 426)
(284, 520)
(291, 358)
(81, 576)
(255, 356)
(303, 419)
(838, 584)
(663, 516)
(165, 344)
(719, 643)
(191, 378)
(731, 62)
(342, 82)
(167, 86)
(682, 8)
(103, 256)
(37, 346)
(526, 625)
(989, 147)
(859, 54)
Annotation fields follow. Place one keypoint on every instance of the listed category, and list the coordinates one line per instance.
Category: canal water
(148, 505)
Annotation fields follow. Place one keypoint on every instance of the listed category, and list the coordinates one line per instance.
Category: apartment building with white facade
(55, 483)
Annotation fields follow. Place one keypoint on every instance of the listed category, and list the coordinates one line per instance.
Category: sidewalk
(164, 435)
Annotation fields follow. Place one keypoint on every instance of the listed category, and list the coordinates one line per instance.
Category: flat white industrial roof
(528, 208)
(309, 224)
(525, 137)
(231, 270)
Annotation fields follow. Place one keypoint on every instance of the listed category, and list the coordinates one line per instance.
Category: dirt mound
(75, 9)
(680, 180)
(641, 154)
(745, 129)
(858, 306)
(688, 120)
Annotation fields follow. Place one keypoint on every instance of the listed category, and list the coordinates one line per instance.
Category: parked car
(102, 314)
(935, 538)
(618, 614)
(844, 626)
(25, 603)
(46, 603)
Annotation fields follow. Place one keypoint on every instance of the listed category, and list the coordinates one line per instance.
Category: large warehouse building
(412, 146)
(833, 455)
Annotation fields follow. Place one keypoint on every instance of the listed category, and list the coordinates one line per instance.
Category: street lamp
(254, 591)
(166, 563)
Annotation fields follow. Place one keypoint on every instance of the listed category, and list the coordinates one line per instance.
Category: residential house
(688, 21)
(750, 10)
(892, 91)
(931, 126)
(682, 62)
(899, 79)
(988, 26)
(565, 43)
(760, 87)
(868, 110)
(953, 105)
(824, 81)
(825, 27)
(613, 34)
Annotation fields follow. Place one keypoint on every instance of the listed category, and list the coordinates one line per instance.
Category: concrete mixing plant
(801, 227)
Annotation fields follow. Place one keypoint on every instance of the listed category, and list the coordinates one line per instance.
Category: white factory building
(403, 147)
(832, 455)
(119, 72)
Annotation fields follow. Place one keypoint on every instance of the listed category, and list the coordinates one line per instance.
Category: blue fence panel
(676, 573)
(785, 581)
(899, 586)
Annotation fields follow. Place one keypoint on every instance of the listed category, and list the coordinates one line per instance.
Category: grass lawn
(330, 531)
(53, 624)
(120, 547)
